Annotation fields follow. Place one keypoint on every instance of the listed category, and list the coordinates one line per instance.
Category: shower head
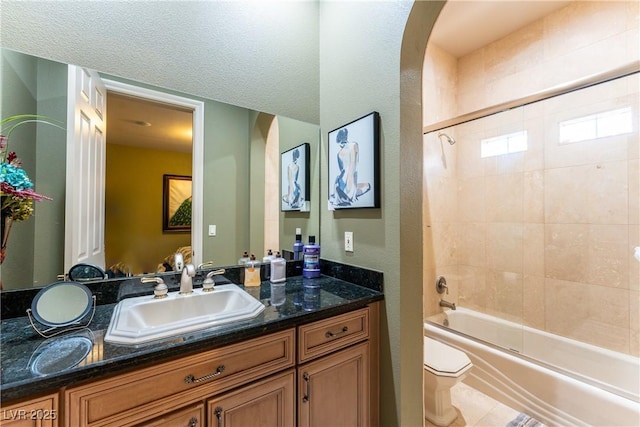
(450, 140)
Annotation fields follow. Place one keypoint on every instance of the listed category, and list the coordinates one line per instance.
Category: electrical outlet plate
(348, 241)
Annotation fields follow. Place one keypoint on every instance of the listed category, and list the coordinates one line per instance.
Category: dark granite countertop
(34, 365)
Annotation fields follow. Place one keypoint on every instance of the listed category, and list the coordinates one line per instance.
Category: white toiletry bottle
(278, 269)
(266, 261)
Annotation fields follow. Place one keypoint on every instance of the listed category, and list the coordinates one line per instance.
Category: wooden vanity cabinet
(149, 393)
(38, 412)
(338, 370)
(319, 374)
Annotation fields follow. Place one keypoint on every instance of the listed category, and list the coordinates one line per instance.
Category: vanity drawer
(325, 336)
(193, 416)
(132, 398)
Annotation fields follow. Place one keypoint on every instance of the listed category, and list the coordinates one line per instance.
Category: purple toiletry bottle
(311, 259)
(298, 247)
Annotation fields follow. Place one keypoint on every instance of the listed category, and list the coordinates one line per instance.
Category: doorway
(150, 135)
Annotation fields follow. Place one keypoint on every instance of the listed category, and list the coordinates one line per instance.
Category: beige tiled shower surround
(545, 236)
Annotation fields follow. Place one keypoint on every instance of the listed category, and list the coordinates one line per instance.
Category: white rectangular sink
(142, 319)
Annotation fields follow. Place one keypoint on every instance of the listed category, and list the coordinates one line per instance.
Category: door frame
(197, 156)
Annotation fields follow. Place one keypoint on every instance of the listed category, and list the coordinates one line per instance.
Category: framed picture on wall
(176, 203)
(295, 179)
(354, 164)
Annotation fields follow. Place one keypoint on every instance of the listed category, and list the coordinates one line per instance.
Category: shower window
(608, 123)
(504, 144)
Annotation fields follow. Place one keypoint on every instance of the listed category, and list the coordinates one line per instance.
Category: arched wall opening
(415, 242)
(264, 209)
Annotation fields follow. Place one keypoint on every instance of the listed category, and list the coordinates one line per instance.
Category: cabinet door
(267, 403)
(192, 416)
(40, 412)
(334, 390)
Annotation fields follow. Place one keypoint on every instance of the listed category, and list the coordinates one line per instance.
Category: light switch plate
(348, 241)
(212, 230)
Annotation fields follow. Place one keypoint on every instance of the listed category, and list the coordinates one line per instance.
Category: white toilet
(444, 366)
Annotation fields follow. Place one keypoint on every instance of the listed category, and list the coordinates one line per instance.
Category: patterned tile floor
(477, 409)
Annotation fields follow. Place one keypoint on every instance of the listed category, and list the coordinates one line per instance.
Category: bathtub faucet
(451, 305)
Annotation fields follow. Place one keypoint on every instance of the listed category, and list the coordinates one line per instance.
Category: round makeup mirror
(62, 304)
(82, 272)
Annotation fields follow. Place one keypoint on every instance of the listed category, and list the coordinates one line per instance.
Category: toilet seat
(443, 360)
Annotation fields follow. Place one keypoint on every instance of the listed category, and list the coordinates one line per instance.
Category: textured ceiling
(260, 55)
(255, 54)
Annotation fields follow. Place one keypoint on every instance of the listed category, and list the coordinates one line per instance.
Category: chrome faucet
(451, 305)
(186, 279)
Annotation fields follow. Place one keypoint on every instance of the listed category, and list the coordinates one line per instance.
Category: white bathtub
(598, 387)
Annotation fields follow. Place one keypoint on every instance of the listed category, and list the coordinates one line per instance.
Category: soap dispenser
(244, 258)
(252, 272)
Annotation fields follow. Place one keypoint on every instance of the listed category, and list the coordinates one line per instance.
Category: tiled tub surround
(19, 342)
(542, 237)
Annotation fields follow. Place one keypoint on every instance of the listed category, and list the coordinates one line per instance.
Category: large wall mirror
(146, 141)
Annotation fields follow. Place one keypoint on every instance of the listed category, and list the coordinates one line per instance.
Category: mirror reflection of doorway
(145, 141)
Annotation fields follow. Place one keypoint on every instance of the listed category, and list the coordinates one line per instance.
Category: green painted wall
(19, 97)
(377, 67)
(36, 86)
(51, 174)
(226, 182)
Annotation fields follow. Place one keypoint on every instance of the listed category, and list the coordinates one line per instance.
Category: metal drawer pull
(305, 376)
(193, 422)
(330, 334)
(218, 412)
(189, 379)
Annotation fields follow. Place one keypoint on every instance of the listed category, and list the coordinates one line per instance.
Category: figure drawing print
(352, 166)
(294, 178)
(292, 198)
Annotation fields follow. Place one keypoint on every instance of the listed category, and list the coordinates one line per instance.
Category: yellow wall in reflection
(134, 206)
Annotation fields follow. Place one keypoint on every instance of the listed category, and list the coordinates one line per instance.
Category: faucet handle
(161, 289)
(208, 283)
(441, 285)
(215, 272)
